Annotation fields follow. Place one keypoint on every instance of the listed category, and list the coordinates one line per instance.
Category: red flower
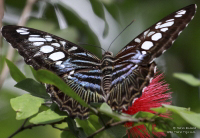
(153, 96)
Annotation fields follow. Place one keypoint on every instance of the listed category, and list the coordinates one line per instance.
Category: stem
(23, 127)
(19, 130)
(23, 19)
(108, 125)
(61, 129)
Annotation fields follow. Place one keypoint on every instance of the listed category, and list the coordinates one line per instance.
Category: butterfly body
(107, 67)
(117, 80)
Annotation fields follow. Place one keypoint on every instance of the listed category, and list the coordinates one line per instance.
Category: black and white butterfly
(116, 80)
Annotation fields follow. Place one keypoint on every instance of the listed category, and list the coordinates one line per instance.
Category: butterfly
(117, 80)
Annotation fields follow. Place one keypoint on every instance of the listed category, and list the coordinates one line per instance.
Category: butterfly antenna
(92, 45)
(120, 33)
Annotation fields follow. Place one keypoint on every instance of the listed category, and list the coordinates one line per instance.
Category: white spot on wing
(159, 23)
(195, 6)
(57, 56)
(170, 20)
(37, 54)
(179, 32)
(38, 43)
(167, 24)
(163, 51)
(156, 36)
(137, 40)
(72, 48)
(178, 15)
(72, 72)
(134, 100)
(58, 62)
(62, 66)
(63, 43)
(181, 12)
(46, 49)
(150, 33)
(23, 28)
(143, 89)
(145, 33)
(155, 68)
(55, 44)
(144, 52)
(147, 45)
(36, 39)
(163, 29)
(151, 79)
(48, 37)
(34, 35)
(21, 31)
(152, 60)
(24, 33)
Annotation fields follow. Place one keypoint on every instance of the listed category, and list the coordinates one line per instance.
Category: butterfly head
(108, 54)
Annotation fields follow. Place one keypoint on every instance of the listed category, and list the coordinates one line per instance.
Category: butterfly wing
(158, 38)
(79, 68)
(134, 63)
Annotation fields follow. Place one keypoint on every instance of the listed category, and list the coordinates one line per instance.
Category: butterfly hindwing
(128, 84)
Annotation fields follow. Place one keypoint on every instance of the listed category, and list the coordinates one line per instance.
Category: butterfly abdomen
(107, 69)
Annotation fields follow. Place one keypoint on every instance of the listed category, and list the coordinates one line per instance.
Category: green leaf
(67, 134)
(16, 74)
(87, 126)
(78, 132)
(189, 116)
(26, 105)
(34, 72)
(106, 108)
(46, 117)
(117, 131)
(159, 110)
(104, 134)
(96, 105)
(188, 78)
(164, 124)
(144, 115)
(33, 87)
(94, 120)
(51, 78)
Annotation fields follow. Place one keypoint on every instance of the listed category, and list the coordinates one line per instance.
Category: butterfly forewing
(155, 40)
(41, 49)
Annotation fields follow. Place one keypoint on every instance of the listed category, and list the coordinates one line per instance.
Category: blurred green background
(98, 22)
